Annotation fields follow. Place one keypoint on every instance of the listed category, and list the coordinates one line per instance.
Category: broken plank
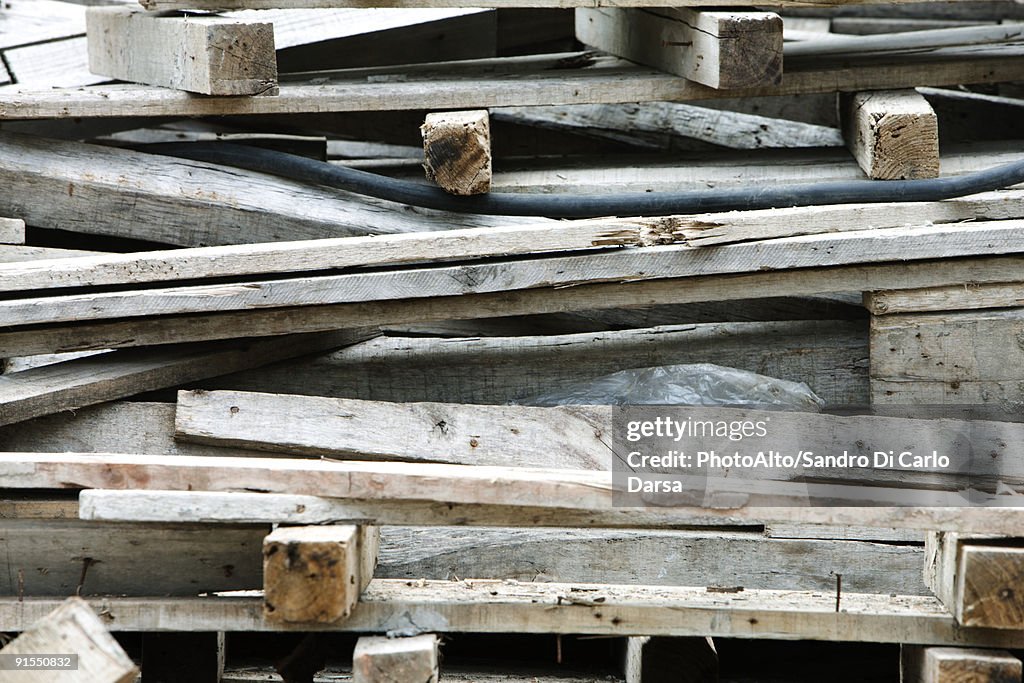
(391, 660)
(155, 330)
(71, 631)
(893, 134)
(957, 665)
(577, 78)
(327, 254)
(568, 437)
(812, 251)
(252, 508)
(508, 607)
(723, 49)
(58, 557)
(457, 151)
(209, 55)
(94, 379)
(315, 573)
(100, 190)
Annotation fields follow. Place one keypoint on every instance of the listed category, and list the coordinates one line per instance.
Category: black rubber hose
(590, 206)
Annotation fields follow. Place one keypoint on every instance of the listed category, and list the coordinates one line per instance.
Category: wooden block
(670, 660)
(893, 134)
(457, 151)
(395, 660)
(980, 580)
(720, 49)
(183, 657)
(12, 231)
(72, 629)
(957, 665)
(201, 54)
(316, 573)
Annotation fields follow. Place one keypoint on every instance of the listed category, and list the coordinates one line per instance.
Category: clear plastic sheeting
(699, 384)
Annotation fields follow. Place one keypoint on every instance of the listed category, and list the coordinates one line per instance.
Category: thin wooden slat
(965, 297)
(504, 607)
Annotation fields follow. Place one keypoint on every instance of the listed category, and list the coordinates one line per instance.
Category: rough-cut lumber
(203, 54)
(12, 231)
(314, 573)
(509, 607)
(16, 253)
(829, 356)
(72, 628)
(670, 660)
(811, 251)
(147, 331)
(258, 4)
(579, 78)
(113, 426)
(893, 134)
(720, 49)
(968, 296)
(957, 665)
(457, 151)
(503, 673)
(631, 556)
(100, 190)
(236, 508)
(328, 254)
(573, 438)
(395, 660)
(968, 358)
(669, 125)
(94, 379)
(57, 557)
(183, 657)
(978, 578)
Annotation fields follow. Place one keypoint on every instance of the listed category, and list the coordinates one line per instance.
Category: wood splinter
(457, 151)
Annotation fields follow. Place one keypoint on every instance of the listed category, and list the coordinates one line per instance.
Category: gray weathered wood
(968, 296)
(457, 151)
(15, 253)
(894, 134)
(57, 557)
(812, 251)
(393, 660)
(71, 628)
(721, 49)
(526, 81)
(670, 660)
(94, 379)
(99, 190)
(209, 55)
(12, 231)
(498, 606)
(961, 358)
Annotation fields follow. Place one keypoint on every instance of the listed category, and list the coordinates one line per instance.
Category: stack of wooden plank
(272, 430)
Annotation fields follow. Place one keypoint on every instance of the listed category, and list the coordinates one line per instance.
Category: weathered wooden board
(100, 190)
(94, 379)
(71, 628)
(893, 134)
(964, 358)
(330, 254)
(16, 253)
(719, 48)
(965, 297)
(811, 251)
(12, 231)
(680, 558)
(147, 331)
(502, 607)
(580, 78)
(978, 578)
(236, 508)
(957, 665)
(203, 54)
(46, 557)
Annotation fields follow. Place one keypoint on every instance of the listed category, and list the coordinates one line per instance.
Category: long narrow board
(509, 607)
(797, 282)
(570, 78)
(209, 55)
(812, 251)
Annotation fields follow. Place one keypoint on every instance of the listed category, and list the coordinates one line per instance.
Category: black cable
(590, 206)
